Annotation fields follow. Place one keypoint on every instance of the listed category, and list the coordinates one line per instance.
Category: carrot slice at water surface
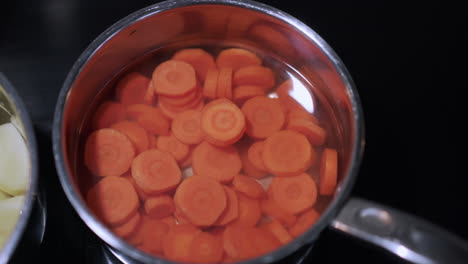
(174, 78)
(254, 75)
(304, 222)
(294, 194)
(222, 122)
(201, 199)
(328, 171)
(287, 153)
(249, 211)
(264, 116)
(132, 89)
(107, 114)
(113, 200)
(206, 248)
(178, 241)
(236, 58)
(232, 208)
(186, 127)
(173, 146)
(201, 60)
(248, 186)
(108, 152)
(159, 206)
(221, 164)
(135, 133)
(155, 171)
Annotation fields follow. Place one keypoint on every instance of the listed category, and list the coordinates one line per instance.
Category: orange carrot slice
(222, 122)
(135, 133)
(180, 101)
(169, 220)
(155, 171)
(232, 208)
(248, 168)
(201, 199)
(249, 211)
(294, 194)
(149, 95)
(236, 58)
(152, 140)
(301, 113)
(132, 89)
(211, 83)
(113, 200)
(172, 111)
(304, 222)
(173, 146)
(328, 171)
(248, 186)
(174, 78)
(264, 242)
(198, 58)
(154, 232)
(224, 87)
(255, 155)
(108, 152)
(271, 209)
(180, 217)
(128, 228)
(150, 118)
(206, 248)
(187, 162)
(244, 92)
(221, 164)
(254, 75)
(107, 114)
(178, 242)
(279, 231)
(186, 127)
(264, 116)
(237, 242)
(287, 153)
(159, 206)
(314, 133)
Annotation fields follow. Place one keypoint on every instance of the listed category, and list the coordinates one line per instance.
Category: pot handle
(404, 235)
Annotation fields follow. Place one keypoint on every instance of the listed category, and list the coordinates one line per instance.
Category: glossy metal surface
(192, 23)
(11, 103)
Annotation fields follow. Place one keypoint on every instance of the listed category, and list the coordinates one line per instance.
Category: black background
(403, 60)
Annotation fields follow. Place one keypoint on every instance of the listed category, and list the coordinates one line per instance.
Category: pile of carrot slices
(180, 159)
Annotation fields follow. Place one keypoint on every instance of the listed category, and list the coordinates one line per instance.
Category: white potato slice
(14, 161)
(9, 213)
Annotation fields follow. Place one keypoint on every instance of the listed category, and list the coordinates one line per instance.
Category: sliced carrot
(108, 152)
(171, 111)
(294, 194)
(180, 217)
(152, 140)
(135, 133)
(271, 209)
(150, 118)
(301, 113)
(264, 116)
(169, 220)
(287, 153)
(221, 164)
(181, 100)
(254, 75)
(248, 186)
(328, 171)
(264, 242)
(155, 171)
(187, 162)
(232, 208)
(254, 154)
(236, 58)
(107, 114)
(201, 199)
(249, 211)
(132, 88)
(206, 248)
(113, 200)
(222, 122)
(248, 168)
(149, 95)
(198, 58)
(128, 228)
(173, 146)
(314, 132)
(153, 234)
(159, 206)
(279, 231)
(304, 222)
(244, 92)
(174, 78)
(285, 92)
(224, 87)
(186, 127)
(237, 242)
(178, 241)
(211, 83)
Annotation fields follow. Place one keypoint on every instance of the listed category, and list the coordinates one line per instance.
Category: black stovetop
(400, 57)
